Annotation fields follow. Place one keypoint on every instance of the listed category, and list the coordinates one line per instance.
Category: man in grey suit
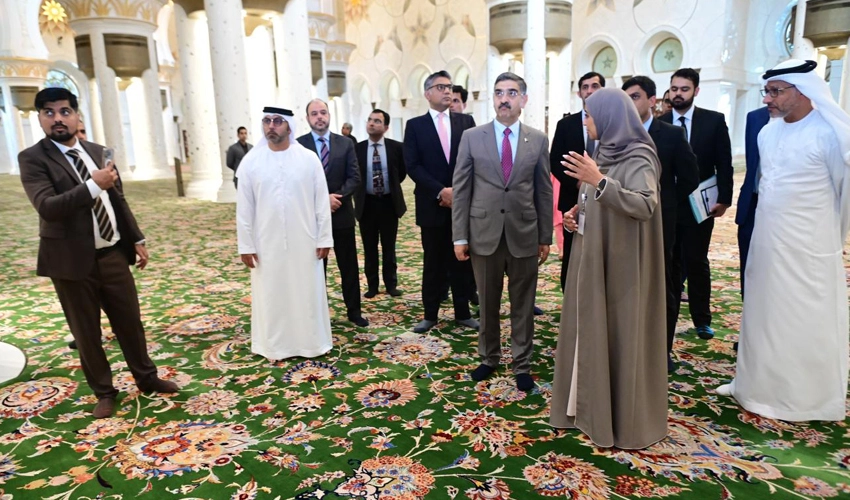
(502, 220)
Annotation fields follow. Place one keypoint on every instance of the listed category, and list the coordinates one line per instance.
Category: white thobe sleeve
(245, 211)
(322, 205)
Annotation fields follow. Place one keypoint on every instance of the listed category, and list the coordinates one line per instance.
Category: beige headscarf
(621, 133)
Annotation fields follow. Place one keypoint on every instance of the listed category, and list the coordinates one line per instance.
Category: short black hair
(507, 75)
(434, 76)
(644, 82)
(464, 94)
(689, 73)
(386, 116)
(53, 94)
(589, 75)
(240, 129)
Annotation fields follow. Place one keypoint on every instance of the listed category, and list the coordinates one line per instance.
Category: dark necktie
(104, 225)
(682, 121)
(377, 173)
(507, 156)
(324, 153)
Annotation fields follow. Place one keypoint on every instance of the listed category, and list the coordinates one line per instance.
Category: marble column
(534, 64)
(803, 47)
(844, 93)
(95, 130)
(199, 110)
(292, 44)
(110, 106)
(156, 165)
(262, 90)
(13, 128)
(227, 55)
(560, 67)
(496, 65)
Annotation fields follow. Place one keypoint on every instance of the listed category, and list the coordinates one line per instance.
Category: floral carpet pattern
(387, 414)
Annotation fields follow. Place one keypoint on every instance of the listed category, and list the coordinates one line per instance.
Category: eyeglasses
(276, 121)
(441, 87)
(774, 93)
(501, 93)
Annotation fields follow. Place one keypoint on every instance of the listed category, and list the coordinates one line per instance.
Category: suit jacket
(710, 142)
(427, 165)
(235, 153)
(679, 169)
(485, 206)
(397, 173)
(569, 136)
(342, 174)
(756, 120)
(64, 205)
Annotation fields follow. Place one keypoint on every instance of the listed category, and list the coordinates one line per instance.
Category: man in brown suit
(89, 238)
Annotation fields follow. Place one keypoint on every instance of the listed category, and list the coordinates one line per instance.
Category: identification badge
(581, 223)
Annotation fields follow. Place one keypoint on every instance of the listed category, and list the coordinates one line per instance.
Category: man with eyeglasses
(679, 178)
(571, 135)
(430, 150)
(89, 238)
(502, 223)
(793, 356)
(339, 161)
(284, 232)
(709, 138)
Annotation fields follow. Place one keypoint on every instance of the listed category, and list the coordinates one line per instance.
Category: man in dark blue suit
(749, 197)
(431, 142)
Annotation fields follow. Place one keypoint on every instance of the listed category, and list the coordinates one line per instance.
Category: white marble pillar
(321, 87)
(803, 48)
(109, 100)
(262, 90)
(95, 119)
(844, 94)
(152, 140)
(13, 128)
(227, 54)
(292, 44)
(559, 86)
(495, 66)
(199, 110)
(534, 62)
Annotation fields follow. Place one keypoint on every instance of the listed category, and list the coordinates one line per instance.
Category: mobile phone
(108, 157)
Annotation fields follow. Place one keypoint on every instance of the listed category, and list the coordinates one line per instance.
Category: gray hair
(434, 76)
(507, 75)
(346, 124)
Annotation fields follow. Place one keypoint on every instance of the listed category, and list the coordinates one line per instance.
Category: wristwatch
(601, 184)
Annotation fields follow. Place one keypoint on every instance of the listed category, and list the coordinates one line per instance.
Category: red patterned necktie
(507, 156)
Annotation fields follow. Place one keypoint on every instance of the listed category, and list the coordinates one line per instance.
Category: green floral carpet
(387, 414)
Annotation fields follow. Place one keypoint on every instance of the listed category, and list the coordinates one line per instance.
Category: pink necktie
(507, 160)
(444, 134)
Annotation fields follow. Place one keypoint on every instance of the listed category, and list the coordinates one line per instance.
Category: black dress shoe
(524, 382)
(359, 321)
(735, 346)
(671, 365)
(370, 293)
(483, 371)
(473, 299)
(538, 311)
(72, 344)
(394, 292)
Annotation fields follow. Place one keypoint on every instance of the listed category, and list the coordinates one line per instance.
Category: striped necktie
(104, 225)
(324, 153)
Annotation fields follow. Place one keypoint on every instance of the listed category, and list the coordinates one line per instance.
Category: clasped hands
(462, 253)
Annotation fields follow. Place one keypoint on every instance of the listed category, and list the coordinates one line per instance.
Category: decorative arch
(591, 49)
(390, 88)
(643, 64)
(461, 73)
(416, 78)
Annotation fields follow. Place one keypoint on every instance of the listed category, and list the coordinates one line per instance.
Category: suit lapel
(431, 131)
(492, 149)
(522, 149)
(696, 127)
(457, 132)
(54, 154)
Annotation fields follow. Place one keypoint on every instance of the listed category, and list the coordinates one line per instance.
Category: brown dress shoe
(159, 385)
(103, 408)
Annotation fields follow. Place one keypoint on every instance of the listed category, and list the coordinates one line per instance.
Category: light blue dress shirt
(327, 137)
(513, 138)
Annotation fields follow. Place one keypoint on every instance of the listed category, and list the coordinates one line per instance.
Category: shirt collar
(434, 113)
(689, 115)
(327, 136)
(648, 123)
(64, 149)
(381, 141)
(500, 129)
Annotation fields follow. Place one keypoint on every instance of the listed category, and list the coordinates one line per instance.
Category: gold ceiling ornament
(141, 10)
(23, 68)
(53, 20)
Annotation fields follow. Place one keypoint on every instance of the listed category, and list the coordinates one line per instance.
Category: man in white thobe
(283, 225)
(793, 354)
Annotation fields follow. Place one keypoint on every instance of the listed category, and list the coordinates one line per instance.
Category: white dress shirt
(95, 191)
(689, 120)
(647, 123)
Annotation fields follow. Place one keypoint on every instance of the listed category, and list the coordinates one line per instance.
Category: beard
(61, 137)
(684, 104)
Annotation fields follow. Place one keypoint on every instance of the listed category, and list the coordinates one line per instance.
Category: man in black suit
(431, 142)
(379, 201)
(89, 238)
(571, 135)
(709, 138)
(679, 178)
(343, 175)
